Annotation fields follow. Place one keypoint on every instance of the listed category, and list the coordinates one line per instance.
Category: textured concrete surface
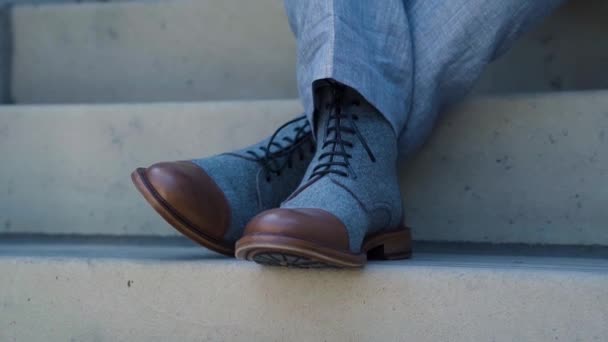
(506, 169)
(45, 2)
(153, 50)
(566, 52)
(181, 293)
(66, 168)
(6, 36)
(202, 50)
(5, 55)
(514, 169)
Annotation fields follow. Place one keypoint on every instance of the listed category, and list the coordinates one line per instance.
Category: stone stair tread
(181, 292)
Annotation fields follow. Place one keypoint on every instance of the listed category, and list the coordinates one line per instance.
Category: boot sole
(172, 216)
(277, 250)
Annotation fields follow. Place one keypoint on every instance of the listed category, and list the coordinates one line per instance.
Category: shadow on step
(180, 249)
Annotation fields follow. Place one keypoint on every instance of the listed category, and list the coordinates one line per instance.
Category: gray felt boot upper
(358, 186)
(256, 178)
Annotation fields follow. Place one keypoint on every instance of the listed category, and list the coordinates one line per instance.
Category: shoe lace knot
(279, 154)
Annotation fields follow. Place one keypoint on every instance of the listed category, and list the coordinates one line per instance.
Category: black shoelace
(329, 162)
(274, 162)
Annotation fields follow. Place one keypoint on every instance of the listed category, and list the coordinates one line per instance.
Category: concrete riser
(152, 51)
(516, 169)
(231, 49)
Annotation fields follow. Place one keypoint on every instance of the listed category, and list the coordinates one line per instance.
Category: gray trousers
(409, 58)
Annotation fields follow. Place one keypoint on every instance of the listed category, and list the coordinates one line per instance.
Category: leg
(357, 57)
(453, 42)
(362, 44)
(348, 206)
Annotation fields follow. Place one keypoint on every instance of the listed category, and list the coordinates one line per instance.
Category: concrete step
(214, 50)
(513, 169)
(564, 53)
(152, 51)
(108, 292)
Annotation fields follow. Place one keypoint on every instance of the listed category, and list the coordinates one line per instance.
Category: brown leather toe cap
(312, 225)
(192, 194)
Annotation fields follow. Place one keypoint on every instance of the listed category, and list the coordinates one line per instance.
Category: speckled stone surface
(152, 51)
(524, 169)
(66, 169)
(5, 53)
(177, 293)
(528, 168)
(566, 52)
(232, 49)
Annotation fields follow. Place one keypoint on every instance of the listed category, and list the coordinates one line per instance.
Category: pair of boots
(328, 199)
